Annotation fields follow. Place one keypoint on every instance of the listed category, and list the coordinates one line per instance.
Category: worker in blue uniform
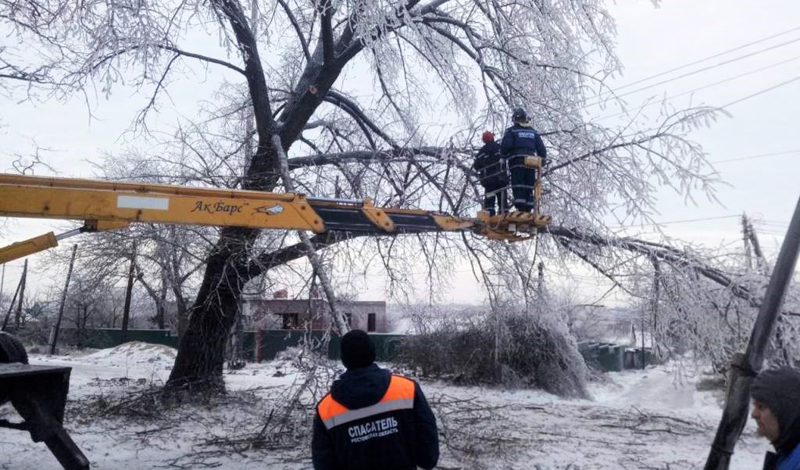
(519, 141)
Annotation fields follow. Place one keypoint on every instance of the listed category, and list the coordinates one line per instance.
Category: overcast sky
(650, 41)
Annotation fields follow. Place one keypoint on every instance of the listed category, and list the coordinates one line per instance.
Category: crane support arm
(28, 247)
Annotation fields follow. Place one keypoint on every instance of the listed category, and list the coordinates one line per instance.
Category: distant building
(282, 313)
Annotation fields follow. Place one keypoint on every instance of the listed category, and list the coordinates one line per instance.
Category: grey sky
(650, 41)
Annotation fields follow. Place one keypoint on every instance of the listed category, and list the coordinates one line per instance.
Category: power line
(752, 157)
(704, 69)
(774, 225)
(761, 92)
(729, 79)
(703, 219)
(680, 221)
(681, 67)
(781, 222)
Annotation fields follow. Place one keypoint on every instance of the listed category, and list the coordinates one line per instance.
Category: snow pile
(134, 352)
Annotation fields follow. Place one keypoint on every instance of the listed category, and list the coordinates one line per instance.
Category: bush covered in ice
(517, 350)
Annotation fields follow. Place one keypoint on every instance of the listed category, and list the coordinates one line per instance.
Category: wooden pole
(54, 340)
(126, 311)
(18, 313)
(761, 260)
(764, 268)
(11, 305)
(746, 366)
(656, 300)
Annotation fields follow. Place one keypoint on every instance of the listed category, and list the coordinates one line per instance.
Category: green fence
(613, 357)
(263, 345)
(271, 342)
(266, 344)
(101, 338)
(387, 346)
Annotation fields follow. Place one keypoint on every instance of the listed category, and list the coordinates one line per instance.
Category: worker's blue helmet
(519, 115)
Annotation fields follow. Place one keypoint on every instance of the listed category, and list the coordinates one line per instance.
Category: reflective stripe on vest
(399, 396)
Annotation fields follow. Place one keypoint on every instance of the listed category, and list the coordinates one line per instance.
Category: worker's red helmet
(488, 136)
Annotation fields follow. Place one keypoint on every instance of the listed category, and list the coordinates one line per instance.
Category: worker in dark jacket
(372, 419)
(491, 169)
(519, 141)
(776, 409)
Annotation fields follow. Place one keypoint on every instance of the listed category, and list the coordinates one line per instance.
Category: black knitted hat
(357, 349)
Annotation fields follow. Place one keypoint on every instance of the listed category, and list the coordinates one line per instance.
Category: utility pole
(18, 313)
(761, 260)
(748, 365)
(126, 310)
(764, 269)
(11, 305)
(54, 340)
(748, 258)
(656, 300)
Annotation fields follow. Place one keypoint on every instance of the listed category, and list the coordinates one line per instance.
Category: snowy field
(653, 419)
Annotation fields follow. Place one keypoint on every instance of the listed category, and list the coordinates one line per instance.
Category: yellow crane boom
(108, 205)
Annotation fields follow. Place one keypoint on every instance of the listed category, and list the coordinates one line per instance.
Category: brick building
(282, 313)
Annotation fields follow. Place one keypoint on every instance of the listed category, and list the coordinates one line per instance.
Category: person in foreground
(776, 409)
(372, 419)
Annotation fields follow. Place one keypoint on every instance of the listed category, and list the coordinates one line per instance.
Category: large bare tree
(376, 99)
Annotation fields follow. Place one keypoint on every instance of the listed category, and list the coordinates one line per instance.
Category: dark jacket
(488, 166)
(395, 438)
(779, 390)
(522, 140)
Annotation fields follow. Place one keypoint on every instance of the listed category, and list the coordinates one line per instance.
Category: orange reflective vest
(399, 396)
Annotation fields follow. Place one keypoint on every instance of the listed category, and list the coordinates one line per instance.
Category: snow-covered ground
(653, 419)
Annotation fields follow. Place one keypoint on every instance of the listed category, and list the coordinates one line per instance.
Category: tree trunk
(202, 347)
(201, 354)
